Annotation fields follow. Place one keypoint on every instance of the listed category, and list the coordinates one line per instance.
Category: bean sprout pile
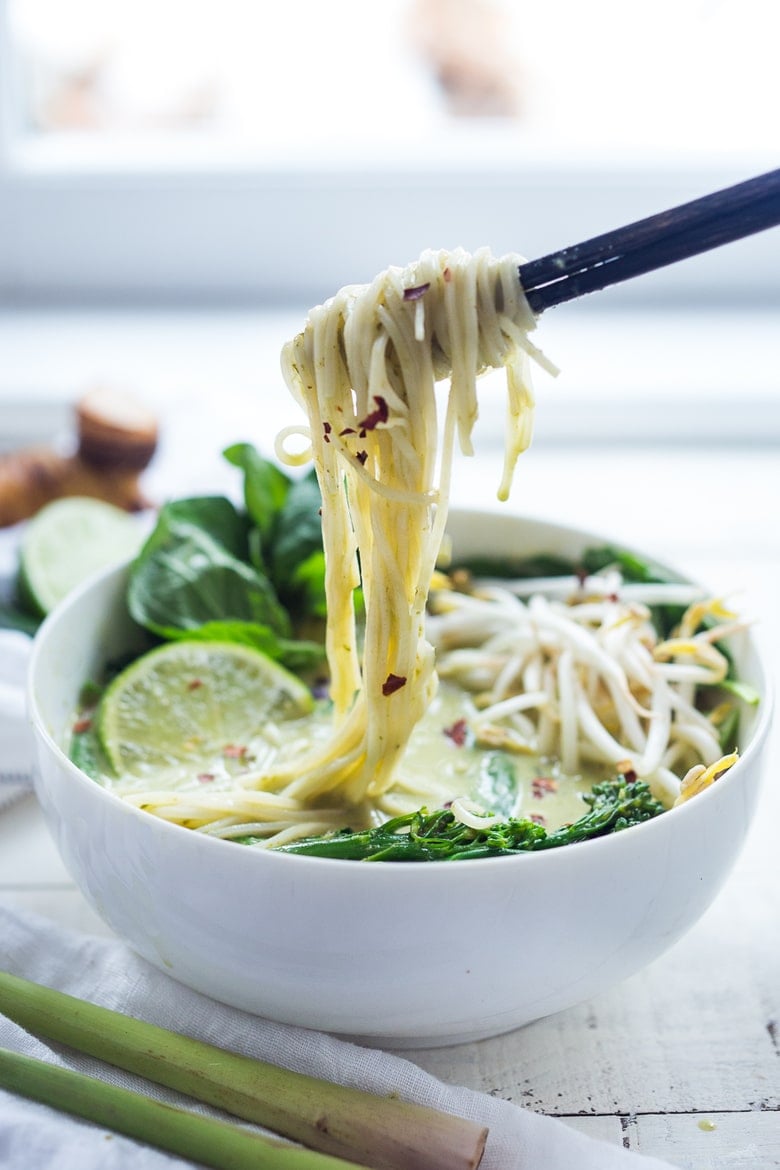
(575, 670)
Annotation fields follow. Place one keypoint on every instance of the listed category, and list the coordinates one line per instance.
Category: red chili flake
(362, 456)
(380, 415)
(612, 597)
(457, 733)
(537, 818)
(81, 725)
(205, 777)
(414, 294)
(626, 770)
(327, 428)
(346, 431)
(393, 683)
(234, 751)
(194, 683)
(541, 785)
(447, 274)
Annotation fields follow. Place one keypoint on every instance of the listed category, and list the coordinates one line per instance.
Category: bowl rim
(541, 858)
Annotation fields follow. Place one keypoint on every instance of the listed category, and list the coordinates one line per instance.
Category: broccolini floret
(615, 804)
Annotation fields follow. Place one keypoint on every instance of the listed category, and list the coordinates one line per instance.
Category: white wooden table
(682, 1060)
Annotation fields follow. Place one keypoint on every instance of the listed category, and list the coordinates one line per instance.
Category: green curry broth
(441, 763)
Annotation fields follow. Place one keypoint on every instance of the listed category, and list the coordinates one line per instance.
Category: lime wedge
(189, 709)
(66, 542)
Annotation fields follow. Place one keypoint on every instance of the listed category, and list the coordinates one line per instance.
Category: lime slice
(190, 709)
(66, 542)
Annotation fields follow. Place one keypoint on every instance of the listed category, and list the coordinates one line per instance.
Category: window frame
(190, 228)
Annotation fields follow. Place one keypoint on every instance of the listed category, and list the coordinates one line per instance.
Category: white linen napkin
(35, 1137)
(15, 737)
(15, 734)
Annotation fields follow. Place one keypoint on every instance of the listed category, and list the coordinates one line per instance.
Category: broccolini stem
(438, 836)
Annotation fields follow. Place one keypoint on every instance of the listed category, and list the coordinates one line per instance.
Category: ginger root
(117, 438)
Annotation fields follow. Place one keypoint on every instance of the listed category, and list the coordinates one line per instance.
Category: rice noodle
(364, 369)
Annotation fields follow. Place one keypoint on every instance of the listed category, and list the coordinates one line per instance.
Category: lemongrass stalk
(381, 1132)
(204, 1140)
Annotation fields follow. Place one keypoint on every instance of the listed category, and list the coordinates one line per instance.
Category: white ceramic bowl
(408, 954)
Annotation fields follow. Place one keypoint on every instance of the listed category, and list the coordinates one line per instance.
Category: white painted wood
(28, 856)
(65, 906)
(739, 1141)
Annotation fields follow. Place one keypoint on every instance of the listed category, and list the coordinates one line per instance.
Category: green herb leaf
(296, 654)
(519, 568)
(727, 731)
(191, 571)
(742, 690)
(265, 487)
(286, 540)
(297, 537)
(14, 617)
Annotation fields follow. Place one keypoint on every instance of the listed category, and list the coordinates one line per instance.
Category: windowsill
(690, 376)
(439, 150)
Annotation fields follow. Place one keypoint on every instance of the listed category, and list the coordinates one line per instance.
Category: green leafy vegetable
(296, 559)
(742, 690)
(593, 560)
(496, 787)
(85, 751)
(437, 836)
(728, 729)
(297, 654)
(194, 569)
(519, 568)
(265, 487)
(15, 617)
(212, 571)
(285, 540)
(298, 528)
(632, 567)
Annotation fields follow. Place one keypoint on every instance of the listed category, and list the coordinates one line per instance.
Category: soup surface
(442, 762)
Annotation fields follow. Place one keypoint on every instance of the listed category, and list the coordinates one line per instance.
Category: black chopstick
(669, 236)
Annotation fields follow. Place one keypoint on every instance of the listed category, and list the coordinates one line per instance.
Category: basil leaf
(296, 655)
(266, 487)
(305, 592)
(298, 529)
(193, 570)
(214, 515)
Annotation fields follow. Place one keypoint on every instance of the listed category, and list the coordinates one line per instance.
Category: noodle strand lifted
(364, 369)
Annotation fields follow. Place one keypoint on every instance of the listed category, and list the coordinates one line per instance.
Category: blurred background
(179, 182)
(276, 151)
